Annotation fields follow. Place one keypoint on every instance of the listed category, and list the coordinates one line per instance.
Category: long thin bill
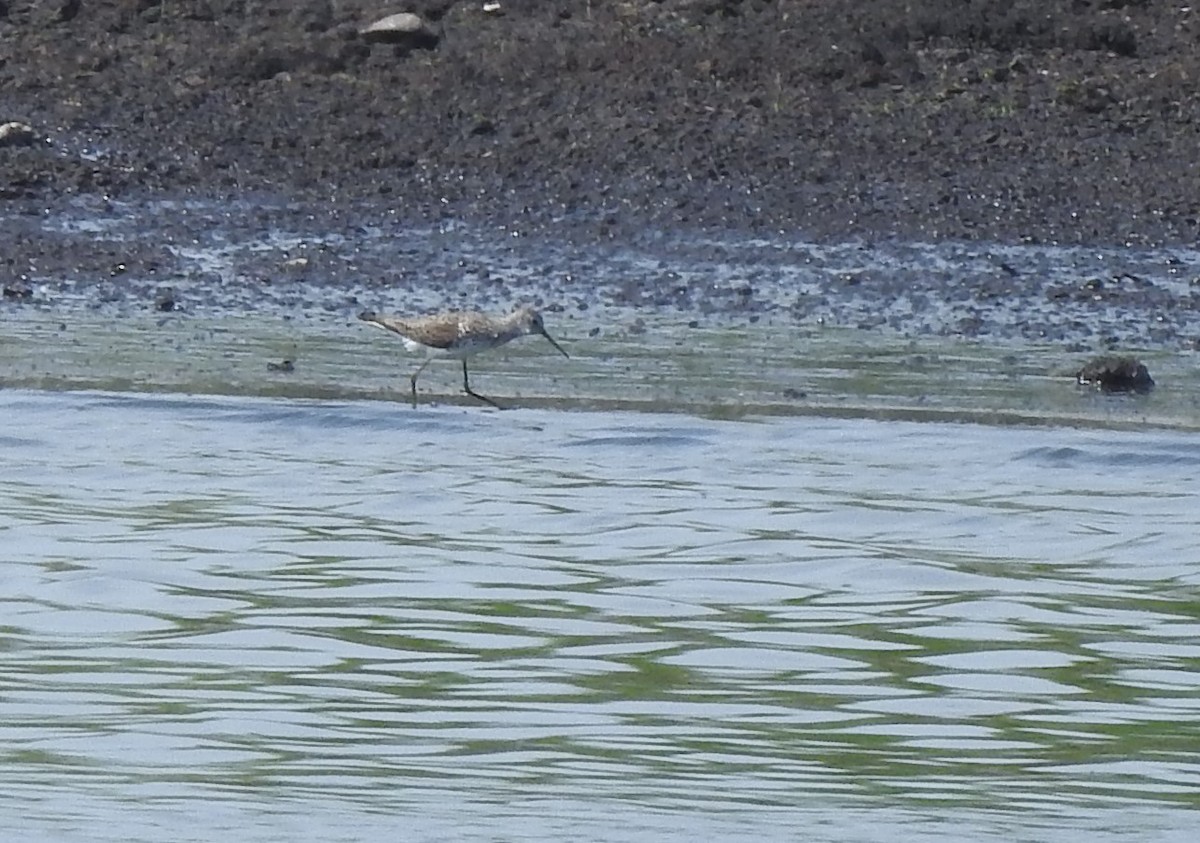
(561, 350)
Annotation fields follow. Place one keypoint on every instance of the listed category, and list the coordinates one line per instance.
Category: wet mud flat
(279, 259)
(262, 298)
(1010, 173)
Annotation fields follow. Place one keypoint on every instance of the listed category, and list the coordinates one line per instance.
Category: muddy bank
(283, 261)
(1059, 121)
(1016, 171)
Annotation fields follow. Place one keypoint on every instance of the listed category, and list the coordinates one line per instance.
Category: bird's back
(461, 332)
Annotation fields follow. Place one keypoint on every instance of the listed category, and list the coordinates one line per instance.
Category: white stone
(16, 134)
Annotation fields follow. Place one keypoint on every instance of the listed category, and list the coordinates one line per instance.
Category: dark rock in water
(284, 366)
(1112, 373)
(17, 290)
(166, 300)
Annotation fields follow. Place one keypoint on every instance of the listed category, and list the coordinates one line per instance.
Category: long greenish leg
(415, 375)
(473, 393)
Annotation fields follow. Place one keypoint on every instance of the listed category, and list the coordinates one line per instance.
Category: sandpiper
(459, 335)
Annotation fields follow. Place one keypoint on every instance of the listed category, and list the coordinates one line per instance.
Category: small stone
(1113, 373)
(68, 9)
(404, 29)
(17, 290)
(166, 300)
(16, 134)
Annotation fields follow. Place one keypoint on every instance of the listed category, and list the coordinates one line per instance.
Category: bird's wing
(440, 331)
(379, 320)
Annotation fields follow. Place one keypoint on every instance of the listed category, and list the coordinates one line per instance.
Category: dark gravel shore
(1074, 121)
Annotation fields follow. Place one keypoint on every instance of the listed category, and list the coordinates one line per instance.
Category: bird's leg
(417, 374)
(473, 393)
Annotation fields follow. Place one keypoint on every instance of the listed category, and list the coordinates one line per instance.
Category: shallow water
(660, 365)
(337, 620)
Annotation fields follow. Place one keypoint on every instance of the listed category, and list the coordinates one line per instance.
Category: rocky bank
(1074, 121)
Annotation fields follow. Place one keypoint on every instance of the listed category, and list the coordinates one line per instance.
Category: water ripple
(240, 602)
